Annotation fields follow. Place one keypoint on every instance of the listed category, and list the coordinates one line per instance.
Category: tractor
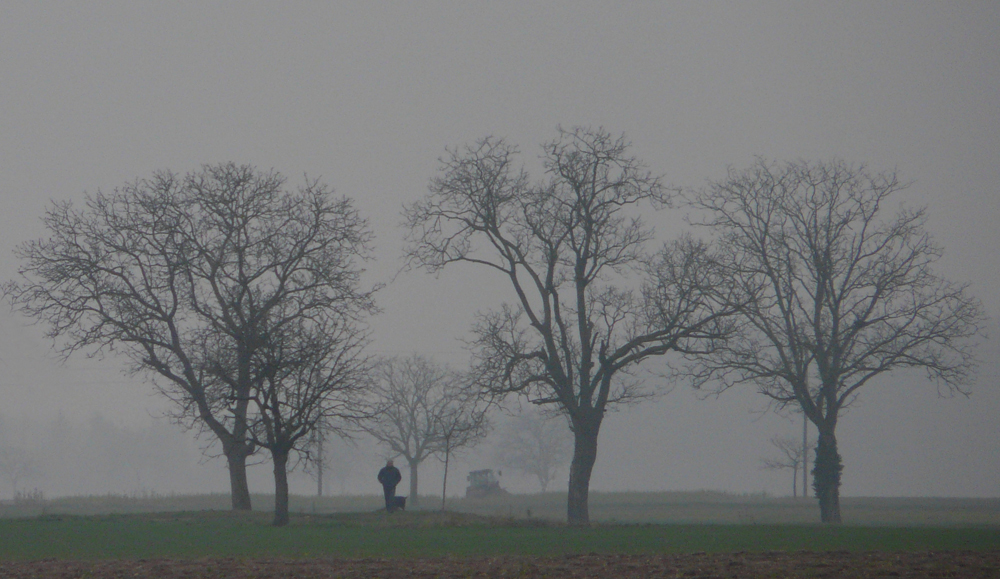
(483, 484)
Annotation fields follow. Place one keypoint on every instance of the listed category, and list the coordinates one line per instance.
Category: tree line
(241, 299)
(94, 456)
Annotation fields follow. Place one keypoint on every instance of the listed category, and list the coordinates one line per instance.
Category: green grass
(724, 508)
(428, 534)
(706, 507)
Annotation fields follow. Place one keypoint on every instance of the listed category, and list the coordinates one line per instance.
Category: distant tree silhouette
(420, 401)
(535, 445)
(792, 457)
(17, 464)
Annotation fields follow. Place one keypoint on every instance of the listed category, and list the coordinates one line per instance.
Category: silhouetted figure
(389, 476)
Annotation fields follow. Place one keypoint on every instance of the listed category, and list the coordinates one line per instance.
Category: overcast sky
(366, 96)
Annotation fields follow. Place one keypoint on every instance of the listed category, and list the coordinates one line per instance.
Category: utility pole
(805, 456)
(319, 463)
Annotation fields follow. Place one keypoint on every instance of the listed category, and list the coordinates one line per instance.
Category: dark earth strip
(965, 564)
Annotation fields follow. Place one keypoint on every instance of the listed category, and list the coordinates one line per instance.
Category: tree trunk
(826, 477)
(584, 455)
(236, 449)
(414, 465)
(239, 489)
(280, 459)
(238, 471)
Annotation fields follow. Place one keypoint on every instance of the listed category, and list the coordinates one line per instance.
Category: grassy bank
(427, 534)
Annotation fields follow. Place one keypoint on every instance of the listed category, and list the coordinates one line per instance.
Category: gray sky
(367, 95)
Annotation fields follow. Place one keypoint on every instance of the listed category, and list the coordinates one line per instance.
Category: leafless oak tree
(315, 379)
(834, 294)
(415, 395)
(187, 276)
(793, 456)
(590, 305)
(536, 445)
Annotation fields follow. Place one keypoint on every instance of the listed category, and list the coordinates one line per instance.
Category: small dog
(397, 504)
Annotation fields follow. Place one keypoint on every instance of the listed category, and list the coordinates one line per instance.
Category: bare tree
(315, 375)
(793, 456)
(461, 424)
(535, 445)
(16, 465)
(834, 294)
(184, 276)
(569, 248)
(414, 393)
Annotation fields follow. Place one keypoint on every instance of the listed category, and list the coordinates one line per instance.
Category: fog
(366, 96)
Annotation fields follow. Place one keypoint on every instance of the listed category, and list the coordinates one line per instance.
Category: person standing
(389, 476)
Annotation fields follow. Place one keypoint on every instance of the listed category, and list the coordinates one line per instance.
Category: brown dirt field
(695, 565)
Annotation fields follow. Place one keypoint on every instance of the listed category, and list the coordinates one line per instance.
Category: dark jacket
(389, 476)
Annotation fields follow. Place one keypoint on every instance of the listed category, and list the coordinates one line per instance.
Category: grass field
(663, 507)
(429, 534)
(151, 527)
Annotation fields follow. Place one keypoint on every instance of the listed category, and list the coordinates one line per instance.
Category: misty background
(367, 96)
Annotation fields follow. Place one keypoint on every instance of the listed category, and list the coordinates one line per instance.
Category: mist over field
(368, 97)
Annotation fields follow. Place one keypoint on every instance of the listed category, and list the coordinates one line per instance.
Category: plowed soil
(697, 565)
